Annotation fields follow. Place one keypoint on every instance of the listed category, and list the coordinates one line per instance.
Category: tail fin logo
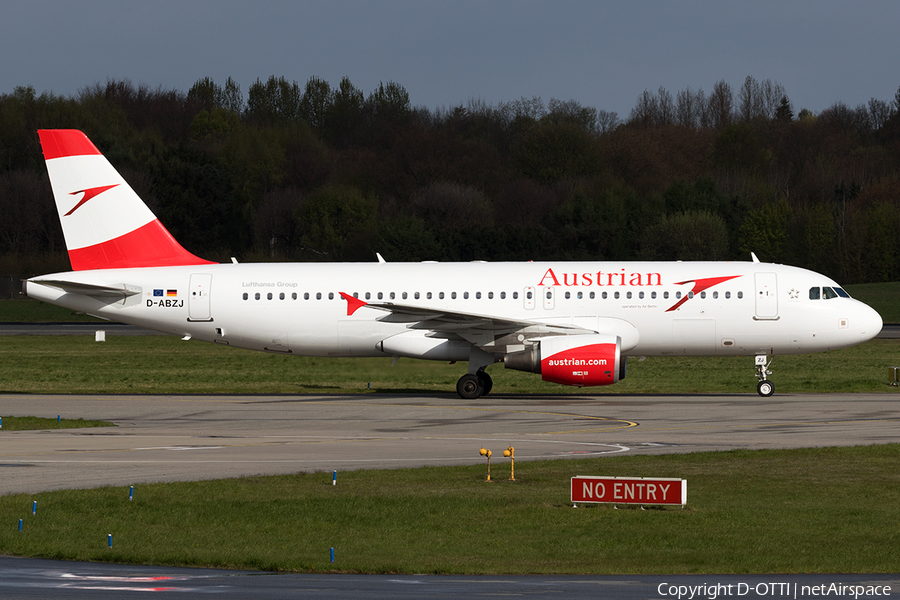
(88, 194)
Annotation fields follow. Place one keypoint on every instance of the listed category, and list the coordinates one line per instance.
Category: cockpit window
(827, 292)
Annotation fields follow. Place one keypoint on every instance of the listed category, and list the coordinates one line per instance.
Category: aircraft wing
(491, 333)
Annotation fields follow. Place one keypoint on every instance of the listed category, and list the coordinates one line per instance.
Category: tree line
(316, 172)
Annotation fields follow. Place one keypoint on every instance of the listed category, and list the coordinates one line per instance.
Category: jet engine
(579, 360)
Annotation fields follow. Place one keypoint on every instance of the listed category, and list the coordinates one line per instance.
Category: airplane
(574, 323)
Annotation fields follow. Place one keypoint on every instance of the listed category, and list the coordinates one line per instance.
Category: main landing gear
(764, 388)
(476, 382)
(473, 385)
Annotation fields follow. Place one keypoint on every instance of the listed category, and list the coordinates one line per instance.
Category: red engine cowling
(580, 360)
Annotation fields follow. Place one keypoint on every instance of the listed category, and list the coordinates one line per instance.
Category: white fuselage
(657, 308)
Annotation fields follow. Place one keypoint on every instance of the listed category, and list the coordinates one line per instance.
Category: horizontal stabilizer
(120, 290)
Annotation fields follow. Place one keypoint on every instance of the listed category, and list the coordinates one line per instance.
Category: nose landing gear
(764, 388)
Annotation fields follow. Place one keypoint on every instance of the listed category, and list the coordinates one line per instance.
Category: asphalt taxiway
(30, 578)
(177, 438)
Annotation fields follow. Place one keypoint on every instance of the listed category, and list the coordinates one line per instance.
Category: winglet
(353, 304)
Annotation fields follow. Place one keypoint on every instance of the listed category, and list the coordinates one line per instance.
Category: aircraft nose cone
(869, 322)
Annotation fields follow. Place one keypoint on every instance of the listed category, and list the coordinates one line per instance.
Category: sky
(446, 53)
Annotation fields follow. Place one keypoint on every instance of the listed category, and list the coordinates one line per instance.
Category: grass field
(826, 510)
(32, 311)
(21, 423)
(167, 365)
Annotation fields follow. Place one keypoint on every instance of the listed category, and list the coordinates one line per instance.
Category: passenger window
(628, 295)
(416, 295)
(727, 295)
(428, 295)
(405, 295)
(490, 295)
(616, 295)
(465, 295)
(703, 295)
(441, 295)
(368, 296)
(528, 295)
(677, 295)
(666, 295)
(814, 293)
(305, 296)
(256, 295)
(593, 295)
(281, 296)
(605, 295)
(269, 296)
(393, 295)
(653, 295)
(568, 296)
(294, 296)
(503, 295)
(641, 295)
(331, 296)
(478, 295)
(453, 295)
(691, 294)
(740, 295)
(516, 295)
(380, 295)
(246, 295)
(580, 295)
(319, 295)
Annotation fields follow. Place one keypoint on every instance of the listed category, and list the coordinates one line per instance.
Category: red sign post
(629, 490)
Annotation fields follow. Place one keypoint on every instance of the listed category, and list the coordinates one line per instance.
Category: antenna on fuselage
(753, 256)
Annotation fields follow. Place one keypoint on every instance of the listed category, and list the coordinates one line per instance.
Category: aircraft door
(198, 298)
(766, 296)
(549, 298)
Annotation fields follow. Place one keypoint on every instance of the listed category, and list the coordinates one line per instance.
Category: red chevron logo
(699, 286)
(88, 194)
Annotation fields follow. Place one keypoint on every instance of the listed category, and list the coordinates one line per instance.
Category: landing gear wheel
(765, 388)
(486, 382)
(469, 387)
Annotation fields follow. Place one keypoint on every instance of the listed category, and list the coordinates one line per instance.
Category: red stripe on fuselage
(148, 246)
(59, 143)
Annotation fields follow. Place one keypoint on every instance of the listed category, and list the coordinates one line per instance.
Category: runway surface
(29, 578)
(176, 438)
